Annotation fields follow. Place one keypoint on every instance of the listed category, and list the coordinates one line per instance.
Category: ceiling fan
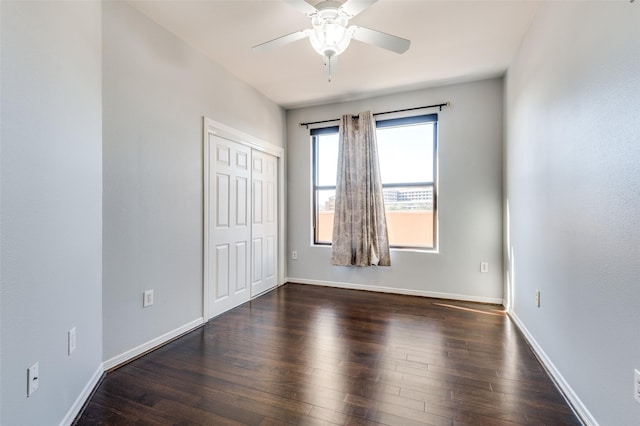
(330, 35)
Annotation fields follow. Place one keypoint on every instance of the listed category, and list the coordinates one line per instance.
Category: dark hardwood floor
(307, 355)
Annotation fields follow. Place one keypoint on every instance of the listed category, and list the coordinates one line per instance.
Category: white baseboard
(151, 344)
(580, 409)
(82, 398)
(409, 292)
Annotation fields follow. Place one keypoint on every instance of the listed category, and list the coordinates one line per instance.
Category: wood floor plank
(309, 355)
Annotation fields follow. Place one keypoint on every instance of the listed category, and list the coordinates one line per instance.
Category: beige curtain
(360, 226)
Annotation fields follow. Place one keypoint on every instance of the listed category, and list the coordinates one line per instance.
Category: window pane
(406, 153)
(326, 203)
(327, 152)
(409, 212)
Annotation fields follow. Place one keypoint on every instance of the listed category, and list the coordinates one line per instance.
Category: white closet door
(264, 226)
(229, 237)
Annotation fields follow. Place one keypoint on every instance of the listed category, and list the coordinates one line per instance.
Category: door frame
(211, 127)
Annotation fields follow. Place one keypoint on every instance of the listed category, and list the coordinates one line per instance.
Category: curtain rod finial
(446, 104)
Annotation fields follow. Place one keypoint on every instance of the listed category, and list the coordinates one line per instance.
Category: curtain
(360, 226)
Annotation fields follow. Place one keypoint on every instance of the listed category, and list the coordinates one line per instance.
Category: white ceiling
(451, 41)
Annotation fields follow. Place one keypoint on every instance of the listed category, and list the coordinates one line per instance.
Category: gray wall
(573, 196)
(95, 92)
(470, 199)
(51, 231)
(156, 90)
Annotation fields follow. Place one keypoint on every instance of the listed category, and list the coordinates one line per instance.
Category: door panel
(257, 261)
(241, 266)
(222, 200)
(270, 257)
(229, 177)
(222, 272)
(264, 229)
(242, 200)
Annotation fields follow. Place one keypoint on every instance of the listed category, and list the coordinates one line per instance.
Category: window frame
(380, 124)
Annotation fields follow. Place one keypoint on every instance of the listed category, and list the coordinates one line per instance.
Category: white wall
(51, 209)
(470, 199)
(156, 90)
(573, 193)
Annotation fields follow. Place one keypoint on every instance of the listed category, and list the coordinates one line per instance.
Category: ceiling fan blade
(380, 39)
(354, 7)
(281, 41)
(302, 6)
(330, 66)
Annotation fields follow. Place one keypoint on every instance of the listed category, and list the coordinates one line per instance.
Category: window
(407, 149)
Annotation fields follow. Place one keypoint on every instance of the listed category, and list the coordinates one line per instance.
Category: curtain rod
(446, 104)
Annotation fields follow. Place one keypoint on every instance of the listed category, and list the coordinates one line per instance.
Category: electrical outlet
(636, 385)
(33, 378)
(294, 255)
(538, 298)
(147, 299)
(71, 340)
(484, 267)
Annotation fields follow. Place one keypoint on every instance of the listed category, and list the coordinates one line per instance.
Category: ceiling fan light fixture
(330, 35)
